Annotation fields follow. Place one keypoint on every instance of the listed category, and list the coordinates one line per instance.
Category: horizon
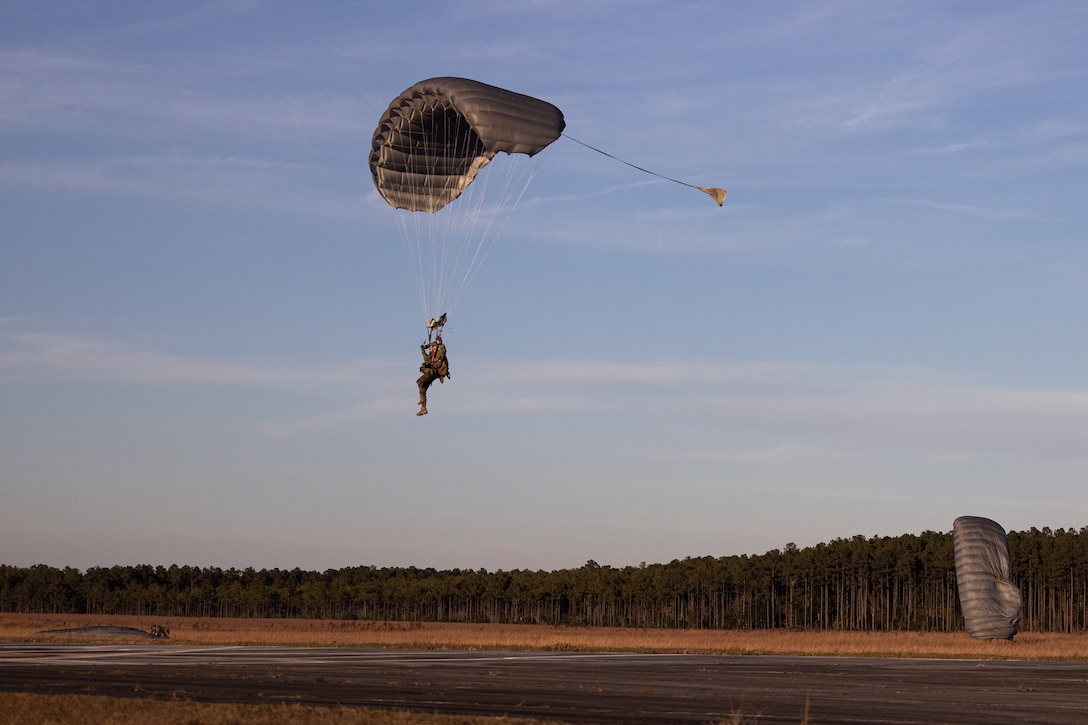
(786, 547)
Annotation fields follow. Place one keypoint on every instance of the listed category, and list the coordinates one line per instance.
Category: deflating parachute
(428, 149)
(990, 602)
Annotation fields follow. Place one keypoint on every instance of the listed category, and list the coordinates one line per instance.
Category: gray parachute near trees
(430, 150)
(989, 600)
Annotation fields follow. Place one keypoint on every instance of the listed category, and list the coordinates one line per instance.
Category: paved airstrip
(570, 687)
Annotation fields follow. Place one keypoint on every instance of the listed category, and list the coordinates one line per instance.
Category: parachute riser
(435, 327)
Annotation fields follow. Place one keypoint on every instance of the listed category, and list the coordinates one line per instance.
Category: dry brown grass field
(427, 635)
(18, 708)
(28, 709)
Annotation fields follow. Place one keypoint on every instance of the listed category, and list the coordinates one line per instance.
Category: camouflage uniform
(435, 366)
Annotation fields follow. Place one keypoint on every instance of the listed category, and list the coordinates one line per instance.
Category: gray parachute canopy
(990, 602)
(437, 135)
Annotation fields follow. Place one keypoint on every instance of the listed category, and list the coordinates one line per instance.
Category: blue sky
(209, 326)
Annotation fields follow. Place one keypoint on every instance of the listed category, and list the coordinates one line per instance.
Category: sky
(209, 326)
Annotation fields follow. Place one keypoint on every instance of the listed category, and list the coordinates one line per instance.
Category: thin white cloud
(832, 408)
(215, 181)
(100, 98)
(1059, 129)
(972, 210)
(775, 394)
(30, 356)
(122, 114)
(955, 63)
(949, 149)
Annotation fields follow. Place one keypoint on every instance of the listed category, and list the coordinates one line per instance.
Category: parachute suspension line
(490, 216)
(455, 229)
(714, 192)
(477, 208)
(422, 239)
(409, 226)
(427, 236)
(434, 154)
(410, 239)
(446, 249)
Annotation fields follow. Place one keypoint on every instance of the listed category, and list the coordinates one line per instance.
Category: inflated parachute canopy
(437, 135)
(990, 602)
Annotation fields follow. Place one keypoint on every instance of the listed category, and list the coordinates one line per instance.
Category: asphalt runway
(570, 687)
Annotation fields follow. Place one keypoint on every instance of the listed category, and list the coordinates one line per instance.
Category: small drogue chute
(714, 192)
(989, 600)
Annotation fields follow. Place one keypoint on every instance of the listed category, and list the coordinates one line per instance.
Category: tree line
(903, 582)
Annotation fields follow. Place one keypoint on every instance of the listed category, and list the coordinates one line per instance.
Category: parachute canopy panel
(435, 137)
(990, 602)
